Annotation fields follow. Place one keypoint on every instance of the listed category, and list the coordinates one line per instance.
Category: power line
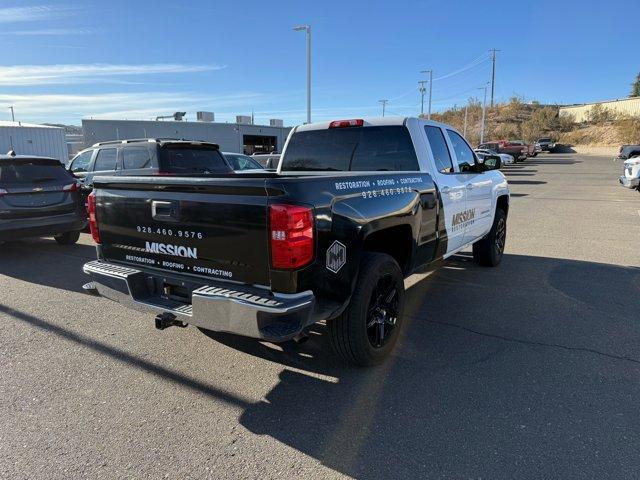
(482, 58)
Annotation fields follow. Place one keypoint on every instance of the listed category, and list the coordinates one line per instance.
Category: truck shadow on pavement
(518, 371)
(487, 358)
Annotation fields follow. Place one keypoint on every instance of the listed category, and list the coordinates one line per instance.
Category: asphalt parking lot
(530, 370)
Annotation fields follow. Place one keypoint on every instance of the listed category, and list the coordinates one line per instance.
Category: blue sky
(63, 61)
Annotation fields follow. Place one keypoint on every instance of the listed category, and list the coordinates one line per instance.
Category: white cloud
(33, 13)
(31, 75)
(48, 32)
(71, 108)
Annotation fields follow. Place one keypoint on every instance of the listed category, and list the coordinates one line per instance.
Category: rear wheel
(366, 332)
(67, 238)
(488, 251)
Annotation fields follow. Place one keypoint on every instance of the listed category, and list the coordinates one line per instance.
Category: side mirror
(492, 162)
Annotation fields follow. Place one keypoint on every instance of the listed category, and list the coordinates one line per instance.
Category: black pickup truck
(354, 207)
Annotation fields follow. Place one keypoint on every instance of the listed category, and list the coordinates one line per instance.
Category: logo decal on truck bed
(173, 250)
(336, 256)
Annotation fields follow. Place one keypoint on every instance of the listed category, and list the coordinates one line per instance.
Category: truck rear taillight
(355, 122)
(292, 241)
(93, 219)
(72, 187)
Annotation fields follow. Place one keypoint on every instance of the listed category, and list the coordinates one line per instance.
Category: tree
(635, 87)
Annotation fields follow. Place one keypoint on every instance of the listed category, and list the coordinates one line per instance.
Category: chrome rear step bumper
(243, 310)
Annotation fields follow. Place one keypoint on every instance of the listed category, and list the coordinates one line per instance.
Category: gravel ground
(529, 370)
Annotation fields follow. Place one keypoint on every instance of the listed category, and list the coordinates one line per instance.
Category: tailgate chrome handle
(161, 210)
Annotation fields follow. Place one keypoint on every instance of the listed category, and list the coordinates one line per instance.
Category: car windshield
(192, 160)
(241, 162)
(32, 172)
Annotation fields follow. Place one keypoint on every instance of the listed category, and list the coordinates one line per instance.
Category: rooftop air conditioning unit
(205, 116)
(276, 122)
(243, 119)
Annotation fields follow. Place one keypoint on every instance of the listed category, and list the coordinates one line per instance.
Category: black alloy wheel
(383, 311)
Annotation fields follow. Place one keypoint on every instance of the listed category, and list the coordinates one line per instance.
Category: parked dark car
(145, 157)
(39, 198)
(628, 151)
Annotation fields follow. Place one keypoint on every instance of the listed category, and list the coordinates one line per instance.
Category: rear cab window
(34, 171)
(377, 148)
(439, 148)
(187, 159)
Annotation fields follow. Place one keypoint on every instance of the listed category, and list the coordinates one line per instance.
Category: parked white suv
(630, 177)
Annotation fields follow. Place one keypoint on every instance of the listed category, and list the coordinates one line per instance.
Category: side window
(464, 154)
(134, 158)
(106, 160)
(81, 162)
(439, 148)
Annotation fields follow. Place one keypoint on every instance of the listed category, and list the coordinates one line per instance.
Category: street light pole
(430, 72)
(421, 89)
(307, 29)
(13, 118)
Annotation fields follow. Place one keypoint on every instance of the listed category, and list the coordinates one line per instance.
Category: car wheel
(488, 251)
(67, 238)
(366, 332)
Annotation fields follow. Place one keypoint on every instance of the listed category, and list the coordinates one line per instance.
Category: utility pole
(307, 29)
(430, 72)
(384, 105)
(493, 73)
(421, 89)
(484, 109)
(13, 118)
(464, 134)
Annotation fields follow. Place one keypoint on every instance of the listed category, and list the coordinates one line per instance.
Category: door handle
(446, 189)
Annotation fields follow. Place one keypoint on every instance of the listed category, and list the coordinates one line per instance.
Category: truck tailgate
(213, 228)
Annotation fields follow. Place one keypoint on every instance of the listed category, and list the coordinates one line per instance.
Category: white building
(32, 139)
(232, 137)
(624, 107)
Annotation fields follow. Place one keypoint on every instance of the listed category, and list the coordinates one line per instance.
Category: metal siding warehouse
(626, 107)
(32, 139)
(232, 137)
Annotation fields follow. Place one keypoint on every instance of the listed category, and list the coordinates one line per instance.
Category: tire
(488, 251)
(67, 238)
(535, 155)
(366, 332)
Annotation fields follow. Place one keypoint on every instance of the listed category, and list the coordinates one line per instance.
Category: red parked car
(531, 148)
(517, 150)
